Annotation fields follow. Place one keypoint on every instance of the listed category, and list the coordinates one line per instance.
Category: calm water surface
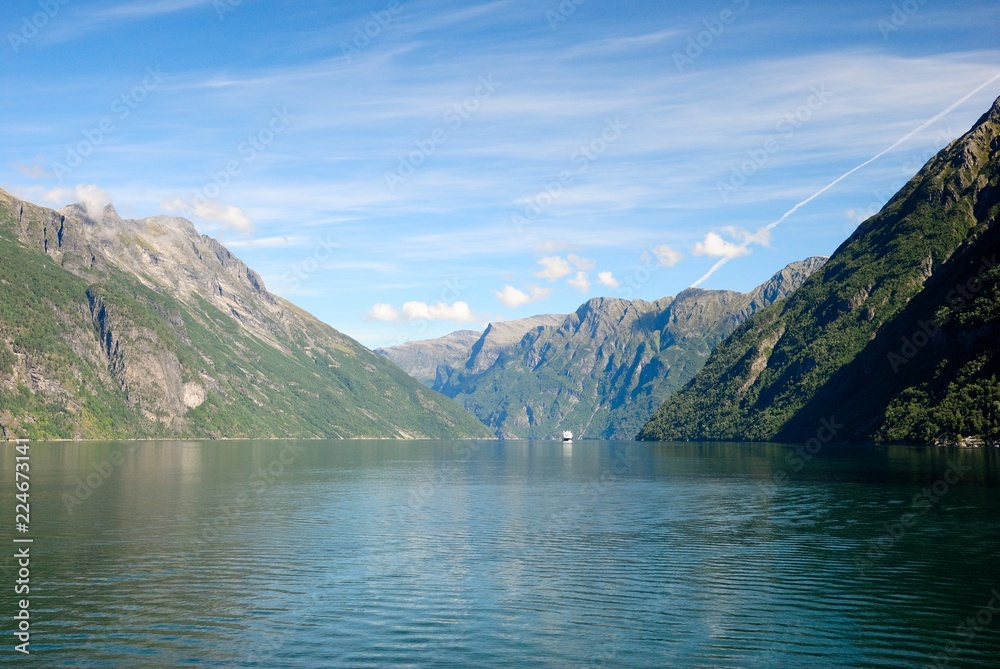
(517, 554)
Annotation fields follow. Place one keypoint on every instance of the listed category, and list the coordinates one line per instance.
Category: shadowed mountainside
(895, 338)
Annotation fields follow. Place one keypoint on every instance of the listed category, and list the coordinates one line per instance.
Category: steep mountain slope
(122, 328)
(895, 339)
(603, 370)
(421, 359)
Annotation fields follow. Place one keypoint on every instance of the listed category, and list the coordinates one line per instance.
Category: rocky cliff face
(421, 359)
(130, 328)
(501, 336)
(894, 340)
(604, 369)
(434, 361)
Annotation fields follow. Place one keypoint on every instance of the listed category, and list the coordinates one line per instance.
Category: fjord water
(509, 554)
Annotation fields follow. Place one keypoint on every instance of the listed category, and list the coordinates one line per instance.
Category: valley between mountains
(115, 328)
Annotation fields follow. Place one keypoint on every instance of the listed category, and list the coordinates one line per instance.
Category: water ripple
(381, 554)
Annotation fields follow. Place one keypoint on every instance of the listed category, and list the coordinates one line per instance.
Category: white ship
(567, 437)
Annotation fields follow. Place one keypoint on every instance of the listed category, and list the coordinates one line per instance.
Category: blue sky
(403, 169)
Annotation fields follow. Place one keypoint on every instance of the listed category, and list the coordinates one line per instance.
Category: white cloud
(459, 312)
(93, 198)
(666, 256)
(513, 297)
(581, 282)
(553, 268)
(581, 263)
(762, 236)
(608, 279)
(231, 216)
(717, 247)
(383, 312)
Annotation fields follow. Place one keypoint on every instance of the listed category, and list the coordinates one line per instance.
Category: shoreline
(967, 443)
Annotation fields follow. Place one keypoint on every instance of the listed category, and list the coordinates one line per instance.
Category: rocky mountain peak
(166, 253)
(834, 346)
(87, 213)
(960, 171)
(994, 113)
(160, 331)
(423, 359)
(602, 370)
(502, 335)
(788, 279)
(598, 309)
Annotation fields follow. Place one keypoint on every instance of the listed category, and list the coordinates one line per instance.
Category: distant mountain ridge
(428, 360)
(500, 336)
(603, 370)
(421, 359)
(894, 340)
(144, 328)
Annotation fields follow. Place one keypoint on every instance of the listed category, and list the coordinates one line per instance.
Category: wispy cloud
(763, 235)
(229, 215)
(89, 19)
(650, 194)
(627, 44)
(277, 242)
(93, 198)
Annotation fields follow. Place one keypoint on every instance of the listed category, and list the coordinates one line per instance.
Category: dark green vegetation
(602, 371)
(896, 337)
(131, 329)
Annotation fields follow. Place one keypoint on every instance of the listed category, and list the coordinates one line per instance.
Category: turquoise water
(507, 554)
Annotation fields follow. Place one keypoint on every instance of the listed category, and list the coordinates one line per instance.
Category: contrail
(923, 126)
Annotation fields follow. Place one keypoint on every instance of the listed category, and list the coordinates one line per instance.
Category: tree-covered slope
(120, 329)
(895, 337)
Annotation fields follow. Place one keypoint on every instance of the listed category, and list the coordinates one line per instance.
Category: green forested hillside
(896, 337)
(112, 329)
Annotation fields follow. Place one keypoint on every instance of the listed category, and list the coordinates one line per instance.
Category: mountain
(421, 359)
(113, 328)
(894, 340)
(429, 360)
(604, 369)
(501, 336)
